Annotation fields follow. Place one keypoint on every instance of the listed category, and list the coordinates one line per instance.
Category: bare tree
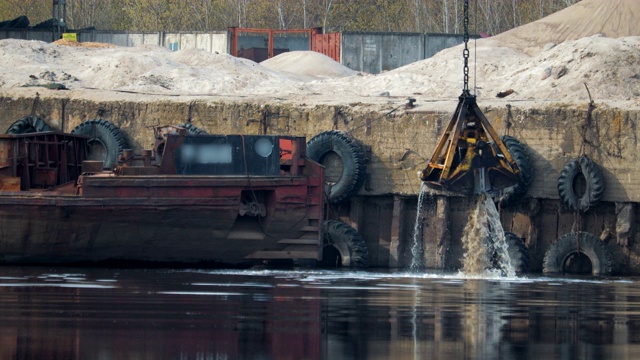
(36, 10)
(304, 14)
(456, 28)
(493, 16)
(281, 15)
(90, 13)
(445, 15)
(327, 10)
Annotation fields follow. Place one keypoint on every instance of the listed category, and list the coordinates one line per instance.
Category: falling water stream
(483, 240)
(417, 248)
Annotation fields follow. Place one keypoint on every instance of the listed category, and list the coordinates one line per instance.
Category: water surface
(86, 313)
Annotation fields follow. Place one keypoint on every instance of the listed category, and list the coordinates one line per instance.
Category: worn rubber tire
(518, 253)
(519, 256)
(349, 243)
(510, 195)
(594, 184)
(601, 257)
(193, 130)
(353, 163)
(26, 126)
(106, 134)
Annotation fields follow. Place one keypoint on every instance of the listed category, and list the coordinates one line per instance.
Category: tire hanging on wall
(518, 253)
(519, 256)
(345, 177)
(193, 130)
(563, 251)
(29, 124)
(348, 242)
(106, 143)
(594, 182)
(510, 195)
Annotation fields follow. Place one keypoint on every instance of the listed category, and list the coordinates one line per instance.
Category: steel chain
(465, 53)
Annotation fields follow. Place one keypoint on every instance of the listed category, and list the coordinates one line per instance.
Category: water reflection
(190, 314)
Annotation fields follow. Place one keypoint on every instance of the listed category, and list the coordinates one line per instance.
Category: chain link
(465, 53)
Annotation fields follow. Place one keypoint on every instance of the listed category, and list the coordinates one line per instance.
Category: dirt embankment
(594, 42)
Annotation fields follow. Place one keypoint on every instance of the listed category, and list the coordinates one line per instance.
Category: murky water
(484, 242)
(79, 313)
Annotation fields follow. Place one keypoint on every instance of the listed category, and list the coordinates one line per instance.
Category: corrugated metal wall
(367, 52)
(328, 44)
(211, 41)
(26, 34)
(377, 52)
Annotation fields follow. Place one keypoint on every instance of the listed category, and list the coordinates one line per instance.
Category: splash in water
(484, 241)
(417, 248)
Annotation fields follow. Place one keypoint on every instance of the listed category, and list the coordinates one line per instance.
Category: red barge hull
(156, 212)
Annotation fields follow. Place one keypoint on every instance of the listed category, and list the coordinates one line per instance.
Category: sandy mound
(610, 67)
(67, 42)
(613, 18)
(522, 60)
(145, 69)
(308, 63)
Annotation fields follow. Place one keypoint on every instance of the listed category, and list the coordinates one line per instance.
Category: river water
(88, 313)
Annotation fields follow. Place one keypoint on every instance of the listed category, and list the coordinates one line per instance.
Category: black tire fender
(518, 253)
(353, 168)
(510, 195)
(29, 124)
(349, 243)
(106, 143)
(601, 257)
(594, 184)
(193, 130)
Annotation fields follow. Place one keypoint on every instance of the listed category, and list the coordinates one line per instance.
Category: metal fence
(367, 52)
(377, 52)
(210, 41)
(26, 34)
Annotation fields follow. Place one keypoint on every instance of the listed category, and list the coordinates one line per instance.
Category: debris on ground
(594, 42)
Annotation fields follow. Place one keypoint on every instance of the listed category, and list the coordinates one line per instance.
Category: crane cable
(465, 52)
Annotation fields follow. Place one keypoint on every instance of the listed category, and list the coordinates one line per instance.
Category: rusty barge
(229, 199)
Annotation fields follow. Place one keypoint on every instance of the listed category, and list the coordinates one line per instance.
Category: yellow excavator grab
(470, 158)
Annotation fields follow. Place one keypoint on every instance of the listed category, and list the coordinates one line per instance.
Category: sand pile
(610, 67)
(612, 18)
(144, 69)
(548, 60)
(308, 63)
(89, 44)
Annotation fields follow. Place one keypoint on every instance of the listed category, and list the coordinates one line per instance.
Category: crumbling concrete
(400, 143)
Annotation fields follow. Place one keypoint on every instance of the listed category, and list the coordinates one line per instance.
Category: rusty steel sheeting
(42, 160)
(167, 217)
(210, 227)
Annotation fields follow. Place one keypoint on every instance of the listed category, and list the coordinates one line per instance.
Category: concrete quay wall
(399, 142)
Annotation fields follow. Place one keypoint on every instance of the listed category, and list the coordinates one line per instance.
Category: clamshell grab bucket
(470, 158)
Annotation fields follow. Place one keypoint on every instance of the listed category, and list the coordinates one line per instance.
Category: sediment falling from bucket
(502, 260)
(417, 248)
(484, 241)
